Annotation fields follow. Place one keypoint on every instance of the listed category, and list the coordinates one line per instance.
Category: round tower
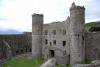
(77, 25)
(37, 27)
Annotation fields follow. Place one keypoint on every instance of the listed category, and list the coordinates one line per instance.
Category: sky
(17, 14)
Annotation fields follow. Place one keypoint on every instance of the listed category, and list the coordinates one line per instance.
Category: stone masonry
(66, 41)
(14, 44)
(77, 26)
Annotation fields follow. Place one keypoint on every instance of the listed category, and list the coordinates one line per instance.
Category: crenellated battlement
(35, 14)
(74, 7)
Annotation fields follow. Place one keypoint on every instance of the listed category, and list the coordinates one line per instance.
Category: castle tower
(77, 25)
(37, 27)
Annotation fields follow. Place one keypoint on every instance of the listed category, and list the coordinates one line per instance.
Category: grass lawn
(23, 62)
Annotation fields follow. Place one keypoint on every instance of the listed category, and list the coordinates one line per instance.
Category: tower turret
(77, 25)
(37, 27)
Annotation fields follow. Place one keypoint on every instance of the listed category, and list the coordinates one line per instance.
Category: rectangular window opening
(54, 42)
(46, 41)
(64, 43)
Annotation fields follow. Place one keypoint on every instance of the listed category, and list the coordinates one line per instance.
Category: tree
(94, 28)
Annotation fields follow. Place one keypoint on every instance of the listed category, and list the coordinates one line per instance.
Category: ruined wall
(54, 34)
(19, 43)
(92, 45)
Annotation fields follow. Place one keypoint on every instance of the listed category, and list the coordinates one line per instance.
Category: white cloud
(18, 12)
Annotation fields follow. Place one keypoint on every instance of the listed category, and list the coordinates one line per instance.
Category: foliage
(94, 29)
(90, 25)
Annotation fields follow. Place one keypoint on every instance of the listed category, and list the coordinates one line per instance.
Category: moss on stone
(87, 61)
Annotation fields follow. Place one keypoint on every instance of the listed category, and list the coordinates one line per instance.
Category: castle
(66, 41)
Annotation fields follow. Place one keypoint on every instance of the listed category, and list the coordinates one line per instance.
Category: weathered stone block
(83, 65)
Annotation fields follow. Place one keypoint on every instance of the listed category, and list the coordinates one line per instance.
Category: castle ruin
(67, 41)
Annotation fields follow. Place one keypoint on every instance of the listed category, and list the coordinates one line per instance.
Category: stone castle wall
(54, 36)
(92, 45)
(77, 26)
(37, 29)
(19, 43)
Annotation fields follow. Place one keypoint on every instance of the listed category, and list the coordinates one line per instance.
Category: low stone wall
(95, 63)
(84, 65)
(2, 61)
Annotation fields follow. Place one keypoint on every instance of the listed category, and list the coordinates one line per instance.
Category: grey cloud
(93, 10)
(1, 2)
(3, 18)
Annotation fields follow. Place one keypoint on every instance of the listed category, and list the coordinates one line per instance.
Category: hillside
(92, 25)
(9, 31)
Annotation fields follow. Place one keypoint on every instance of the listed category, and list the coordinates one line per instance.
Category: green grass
(58, 65)
(23, 62)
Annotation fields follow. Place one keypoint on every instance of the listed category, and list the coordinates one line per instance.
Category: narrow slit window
(46, 41)
(50, 44)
